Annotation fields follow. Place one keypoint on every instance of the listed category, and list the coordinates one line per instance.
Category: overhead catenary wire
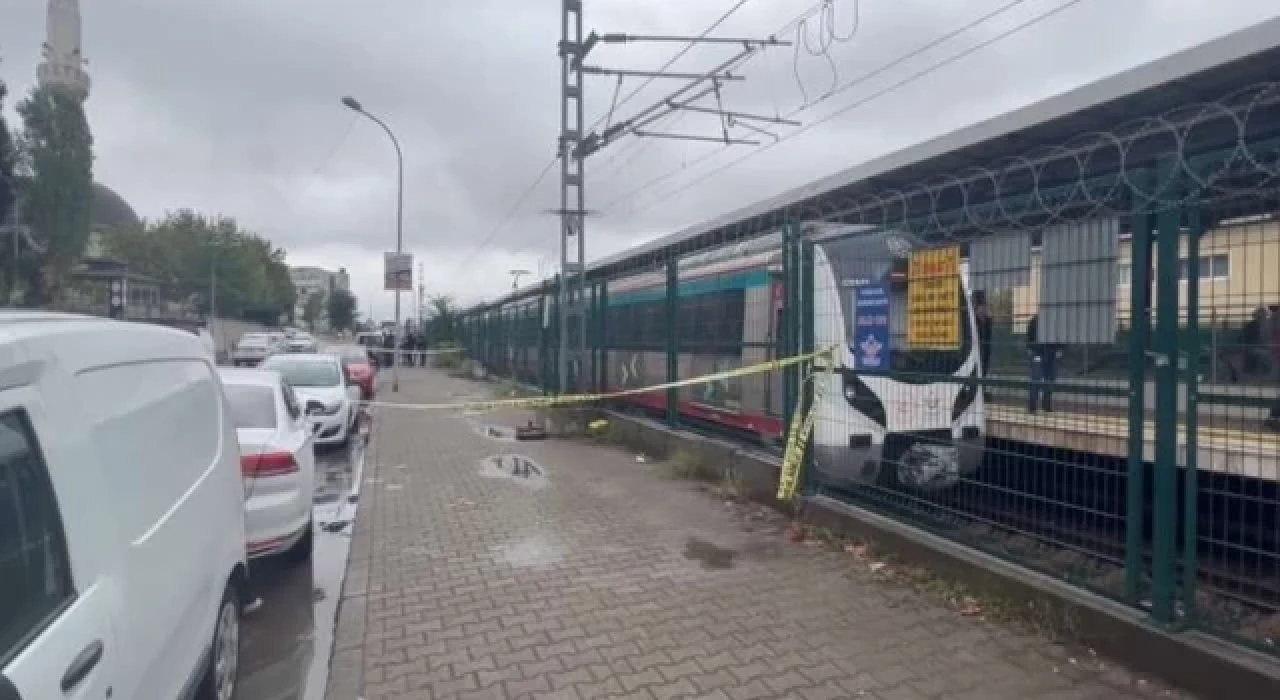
(822, 9)
(859, 103)
(617, 103)
(512, 212)
(638, 146)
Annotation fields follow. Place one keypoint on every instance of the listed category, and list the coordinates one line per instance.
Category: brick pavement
(603, 578)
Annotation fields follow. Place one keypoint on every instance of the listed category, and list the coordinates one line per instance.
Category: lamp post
(515, 277)
(352, 104)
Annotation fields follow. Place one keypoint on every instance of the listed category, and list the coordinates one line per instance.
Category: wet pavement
(566, 569)
(287, 642)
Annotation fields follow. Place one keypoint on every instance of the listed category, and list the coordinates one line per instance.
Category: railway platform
(483, 567)
(1252, 452)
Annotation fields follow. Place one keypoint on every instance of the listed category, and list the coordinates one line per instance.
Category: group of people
(1259, 345)
(413, 347)
(1043, 358)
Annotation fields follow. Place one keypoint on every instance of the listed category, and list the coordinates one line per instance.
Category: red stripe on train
(766, 426)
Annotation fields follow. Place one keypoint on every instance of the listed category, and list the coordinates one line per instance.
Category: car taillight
(267, 464)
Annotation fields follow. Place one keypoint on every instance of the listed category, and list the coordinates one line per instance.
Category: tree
(55, 178)
(311, 312)
(8, 189)
(199, 259)
(442, 319)
(342, 310)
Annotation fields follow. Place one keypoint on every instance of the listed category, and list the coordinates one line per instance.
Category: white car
(329, 400)
(251, 349)
(122, 557)
(277, 461)
(300, 343)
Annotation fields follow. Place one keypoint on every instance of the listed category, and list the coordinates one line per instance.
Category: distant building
(308, 281)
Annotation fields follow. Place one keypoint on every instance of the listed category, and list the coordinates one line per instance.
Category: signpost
(870, 344)
(933, 299)
(397, 272)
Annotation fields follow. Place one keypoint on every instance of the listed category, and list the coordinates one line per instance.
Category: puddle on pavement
(288, 640)
(533, 552)
(518, 468)
(709, 555)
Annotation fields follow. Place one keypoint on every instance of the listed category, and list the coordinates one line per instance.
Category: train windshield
(874, 267)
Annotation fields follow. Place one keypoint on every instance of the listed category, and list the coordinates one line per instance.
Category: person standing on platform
(1044, 367)
(982, 317)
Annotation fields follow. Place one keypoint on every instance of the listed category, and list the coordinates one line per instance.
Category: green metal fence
(1125, 446)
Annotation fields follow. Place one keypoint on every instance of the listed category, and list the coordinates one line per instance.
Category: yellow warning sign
(933, 299)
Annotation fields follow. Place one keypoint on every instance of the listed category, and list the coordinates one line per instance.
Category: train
(917, 421)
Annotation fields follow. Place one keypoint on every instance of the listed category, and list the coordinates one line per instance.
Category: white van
(122, 549)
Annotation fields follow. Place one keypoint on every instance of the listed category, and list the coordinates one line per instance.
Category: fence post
(807, 323)
(673, 357)
(602, 366)
(790, 314)
(1164, 511)
(1191, 491)
(1141, 224)
(544, 379)
(554, 344)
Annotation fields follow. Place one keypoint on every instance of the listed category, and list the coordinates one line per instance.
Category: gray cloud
(232, 107)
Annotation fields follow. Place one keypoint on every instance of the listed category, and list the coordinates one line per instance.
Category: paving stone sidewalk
(588, 574)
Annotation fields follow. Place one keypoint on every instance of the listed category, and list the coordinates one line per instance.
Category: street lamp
(515, 277)
(352, 104)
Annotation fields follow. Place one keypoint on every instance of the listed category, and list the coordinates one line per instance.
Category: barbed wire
(1195, 154)
(1206, 157)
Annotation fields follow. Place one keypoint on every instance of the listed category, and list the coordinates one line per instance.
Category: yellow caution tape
(797, 441)
(567, 399)
(797, 433)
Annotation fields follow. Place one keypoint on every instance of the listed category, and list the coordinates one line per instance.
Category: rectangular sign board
(933, 299)
(397, 271)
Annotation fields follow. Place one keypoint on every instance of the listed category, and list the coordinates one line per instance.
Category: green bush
(449, 356)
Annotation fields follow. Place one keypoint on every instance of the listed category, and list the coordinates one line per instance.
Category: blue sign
(869, 341)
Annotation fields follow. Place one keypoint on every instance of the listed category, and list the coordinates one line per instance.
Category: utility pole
(576, 145)
(422, 297)
(573, 197)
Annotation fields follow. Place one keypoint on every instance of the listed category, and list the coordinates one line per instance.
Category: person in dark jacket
(982, 318)
(1044, 367)
(389, 349)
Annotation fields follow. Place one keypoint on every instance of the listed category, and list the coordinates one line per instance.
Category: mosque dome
(109, 211)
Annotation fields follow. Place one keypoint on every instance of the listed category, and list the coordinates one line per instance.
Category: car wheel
(221, 678)
(300, 552)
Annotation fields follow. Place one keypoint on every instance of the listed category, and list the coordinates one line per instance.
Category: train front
(901, 407)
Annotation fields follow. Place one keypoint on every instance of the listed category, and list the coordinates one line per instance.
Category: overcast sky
(232, 107)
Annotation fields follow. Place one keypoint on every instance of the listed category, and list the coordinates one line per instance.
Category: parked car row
(137, 480)
(253, 348)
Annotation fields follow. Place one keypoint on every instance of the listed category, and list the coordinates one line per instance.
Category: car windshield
(306, 374)
(252, 405)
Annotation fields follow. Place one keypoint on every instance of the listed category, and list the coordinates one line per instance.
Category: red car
(360, 367)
